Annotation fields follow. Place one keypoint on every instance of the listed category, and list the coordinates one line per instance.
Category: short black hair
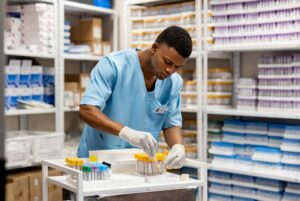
(178, 38)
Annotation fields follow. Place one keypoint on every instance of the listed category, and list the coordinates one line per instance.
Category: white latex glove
(141, 139)
(175, 157)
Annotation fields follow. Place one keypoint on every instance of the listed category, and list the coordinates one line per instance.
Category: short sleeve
(100, 85)
(174, 117)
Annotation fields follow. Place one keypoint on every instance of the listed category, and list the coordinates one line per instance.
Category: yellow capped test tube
(149, 166)
(93, 158)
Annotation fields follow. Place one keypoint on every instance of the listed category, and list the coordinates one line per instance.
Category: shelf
(68, 109)
(123, 180)
(124, 189)
(278, 175)
(219, 55)
(220, 2)
(31, 1)
(82, 57)
(263, 21)
(258, 10)
(257, 47)
(155, 17)
(262, 33)
(189, 110)
(81, 8)
(253, 113)
(23, 53)
(29, 111)
(159, 29)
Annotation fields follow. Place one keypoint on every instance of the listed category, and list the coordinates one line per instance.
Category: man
(133, 95)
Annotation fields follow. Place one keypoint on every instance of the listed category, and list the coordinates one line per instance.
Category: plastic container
(219, 99)
(247, 83)
(219, 73)
(267, 154)
(219, 85)
(231, 137)
(190, 85)
(222, 148)
(248, 104)
(233, 125)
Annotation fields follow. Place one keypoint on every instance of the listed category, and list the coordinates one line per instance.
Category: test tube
(89, 173)
(84, 173)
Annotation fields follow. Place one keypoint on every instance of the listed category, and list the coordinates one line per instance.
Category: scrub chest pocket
(156, 115)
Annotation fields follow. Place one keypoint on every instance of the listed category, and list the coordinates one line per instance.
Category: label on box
(12, 76)
(48, 76)
(37, 76)
(49, 90)
(38, 93)
(11, 97)
(69, 98)
(84, 81)
(26, 93)
(97, 32)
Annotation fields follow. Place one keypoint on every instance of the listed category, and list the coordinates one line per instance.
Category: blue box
(38, 94)
(26, 93)
(11, 98)
(12, 73)
(37, 76)
(49, 95)
(48, 76)
(25, 77)
(102, 3)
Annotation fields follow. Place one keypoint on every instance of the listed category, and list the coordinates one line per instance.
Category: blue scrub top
(118, 88)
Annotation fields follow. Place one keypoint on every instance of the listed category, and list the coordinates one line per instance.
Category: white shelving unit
(82, 9)
(234, 50)
(61, 8)
(23, 114)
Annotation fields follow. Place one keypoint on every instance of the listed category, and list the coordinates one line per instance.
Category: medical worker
(133, 95)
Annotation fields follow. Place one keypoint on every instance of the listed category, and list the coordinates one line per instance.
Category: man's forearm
(173, 135)
(95, 118)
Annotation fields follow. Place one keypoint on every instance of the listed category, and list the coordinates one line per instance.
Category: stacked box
(38, 27)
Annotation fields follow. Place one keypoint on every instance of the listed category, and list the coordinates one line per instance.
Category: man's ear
(154, 47)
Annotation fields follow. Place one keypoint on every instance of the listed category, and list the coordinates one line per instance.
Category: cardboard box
(82, 79)
(17, 188)
(90, 29)
(72, 86)
(35, 186)
(75, 33)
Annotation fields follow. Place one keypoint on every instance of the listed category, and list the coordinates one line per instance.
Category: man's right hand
(141, 139)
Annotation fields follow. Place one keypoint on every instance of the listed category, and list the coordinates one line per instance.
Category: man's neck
(147, 69)
(145, 62)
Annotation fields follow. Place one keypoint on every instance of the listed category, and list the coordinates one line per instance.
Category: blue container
(102, 3)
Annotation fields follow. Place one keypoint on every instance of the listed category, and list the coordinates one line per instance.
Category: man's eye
(167, 62)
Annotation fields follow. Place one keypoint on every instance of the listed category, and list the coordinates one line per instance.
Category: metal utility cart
(124, 181)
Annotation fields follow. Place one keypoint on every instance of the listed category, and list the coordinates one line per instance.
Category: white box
(18, 150)
(47, 145)
(69, 99)
(37, 70)
(37, 90)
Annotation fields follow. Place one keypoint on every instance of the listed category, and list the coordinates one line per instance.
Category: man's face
(165, 60)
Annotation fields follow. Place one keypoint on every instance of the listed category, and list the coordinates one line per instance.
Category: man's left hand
(175, 157)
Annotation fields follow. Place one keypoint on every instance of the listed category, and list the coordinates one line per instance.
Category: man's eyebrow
(173, 62)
